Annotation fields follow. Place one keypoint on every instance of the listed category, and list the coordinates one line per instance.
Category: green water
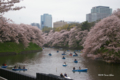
(13, 59)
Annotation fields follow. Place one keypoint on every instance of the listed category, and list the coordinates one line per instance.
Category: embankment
(11, 48)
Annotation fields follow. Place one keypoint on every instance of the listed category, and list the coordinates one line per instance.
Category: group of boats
(75, 61)
(14, 69)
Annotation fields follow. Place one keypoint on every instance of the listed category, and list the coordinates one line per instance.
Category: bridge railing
(12, 75)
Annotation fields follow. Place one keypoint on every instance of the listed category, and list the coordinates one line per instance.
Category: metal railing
(12, 75)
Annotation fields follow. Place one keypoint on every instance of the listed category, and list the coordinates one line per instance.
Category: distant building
(36, 24)
(98, 12)
(71, 22)
(59, 24)
(46, 21)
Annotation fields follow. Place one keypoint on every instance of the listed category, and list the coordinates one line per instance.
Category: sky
(67, 10)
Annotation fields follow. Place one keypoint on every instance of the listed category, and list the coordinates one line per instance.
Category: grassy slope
(13, 47)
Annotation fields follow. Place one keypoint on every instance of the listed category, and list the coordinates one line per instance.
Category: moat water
(41, 62)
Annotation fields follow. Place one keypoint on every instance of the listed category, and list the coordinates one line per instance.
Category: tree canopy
(104, 37)
(7, 5)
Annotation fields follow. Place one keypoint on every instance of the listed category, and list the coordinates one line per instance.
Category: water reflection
(41, 62)
(13, 59)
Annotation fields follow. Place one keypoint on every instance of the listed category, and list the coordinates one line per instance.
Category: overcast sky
(67, 10)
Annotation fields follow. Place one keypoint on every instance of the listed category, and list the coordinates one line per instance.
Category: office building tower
(46, 21)
(98, 12)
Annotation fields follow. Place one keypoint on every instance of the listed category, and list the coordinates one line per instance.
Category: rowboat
(64, 65)
(80, 70)
(50, 54)
(63, 54)
(75, 61)
(75, 55)
(19, 69)
(3, 66)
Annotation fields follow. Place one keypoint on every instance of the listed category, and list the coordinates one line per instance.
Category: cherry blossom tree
(77, 37)
(81, 36)
(104, 37)
(64, 38)
(72, 39)
(57, 39)
(7, 5)
(20, 33)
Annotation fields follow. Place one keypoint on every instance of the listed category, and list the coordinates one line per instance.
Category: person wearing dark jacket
(65, 75)
(61, 75)
(73, 68)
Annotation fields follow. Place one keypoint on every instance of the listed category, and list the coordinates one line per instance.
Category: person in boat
(23, 67)
(65, 75)
(15, 67)
(19, 67)
(4, 64)
(63, 57)
(64, 63)
(73, 68)
(70, 53)
(79, 68)
(61, 75)
(75, 60)
(76, 53)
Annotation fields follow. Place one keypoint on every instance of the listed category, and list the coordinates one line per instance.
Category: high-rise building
(98, 12)
(46, 21)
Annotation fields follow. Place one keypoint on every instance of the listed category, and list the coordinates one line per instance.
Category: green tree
(46, 29)
(85, 26)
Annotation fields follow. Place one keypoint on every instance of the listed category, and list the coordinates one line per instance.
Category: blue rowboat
(50, 54)
(19, 69)
(75, 55)
(80, 70)
(75, 61)
(3, 66)
(63, 54)
(64, 65)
